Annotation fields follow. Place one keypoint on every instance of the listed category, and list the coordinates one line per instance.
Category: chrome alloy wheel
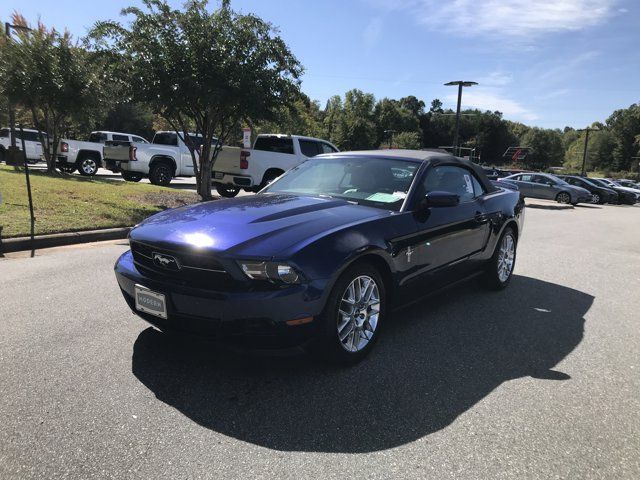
(595, 198)
(89, 166)
(358, 313)
(563, 197)
(506, 257)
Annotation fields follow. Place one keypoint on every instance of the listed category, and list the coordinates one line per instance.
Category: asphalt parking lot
(538, 381)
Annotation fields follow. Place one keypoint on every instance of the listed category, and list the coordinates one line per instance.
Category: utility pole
(586, 144)
(460, 84)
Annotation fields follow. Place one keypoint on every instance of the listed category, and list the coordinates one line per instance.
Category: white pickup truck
(271, 156)
(164, 158)
(86, 157)
(32, 143)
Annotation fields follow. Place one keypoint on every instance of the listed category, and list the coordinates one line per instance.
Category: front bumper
(241, 181)
(251, 317)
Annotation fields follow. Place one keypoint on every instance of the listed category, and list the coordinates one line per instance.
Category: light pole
(390, 133)
(586, 144)
(460, 84)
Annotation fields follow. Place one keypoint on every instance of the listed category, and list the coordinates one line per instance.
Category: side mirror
(439, 199)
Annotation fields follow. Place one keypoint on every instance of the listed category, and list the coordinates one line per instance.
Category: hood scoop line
(300, 210)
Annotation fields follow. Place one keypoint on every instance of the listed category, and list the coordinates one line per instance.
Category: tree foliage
(201, 70)
(45, 73)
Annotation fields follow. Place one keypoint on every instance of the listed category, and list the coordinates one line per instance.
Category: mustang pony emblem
(166, 261)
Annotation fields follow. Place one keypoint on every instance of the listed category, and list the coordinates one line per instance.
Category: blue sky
(549, 63)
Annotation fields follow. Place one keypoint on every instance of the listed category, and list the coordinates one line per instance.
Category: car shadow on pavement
(435, 361)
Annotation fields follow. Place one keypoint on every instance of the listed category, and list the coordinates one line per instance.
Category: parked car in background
(271, 156)
(166, 157)
(550, 187)
(599, 194)
(628, 183)
(321, 256)
(624, 196)
(618, 187)
(86, 157)
(32, 143)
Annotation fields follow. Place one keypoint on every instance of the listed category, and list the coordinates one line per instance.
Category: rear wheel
(354, 313)
(563, 197)
(596, 198)
(160, 174)
(88, 165)
(2, 155)
(131, 176)
(227, 191)
(498, 273)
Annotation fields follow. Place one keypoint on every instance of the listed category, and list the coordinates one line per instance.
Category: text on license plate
(148, 301)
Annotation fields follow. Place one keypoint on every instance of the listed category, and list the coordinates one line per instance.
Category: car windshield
(375, 182)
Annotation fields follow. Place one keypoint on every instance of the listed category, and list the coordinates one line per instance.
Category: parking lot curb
(59, 239)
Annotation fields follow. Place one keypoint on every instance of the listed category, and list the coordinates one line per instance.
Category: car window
(28, 136)
(375, 182)
(526, 178)
(98, 137)
(138, 139)
(120, 138)
(450, 179)
(274, 144)
(309, 148)
(4, 133)
(326, 148)
(166, 138)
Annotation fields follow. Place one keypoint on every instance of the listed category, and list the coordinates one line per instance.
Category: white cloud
(499, 18)
(566, 69)
(496, 78)
(371, 33)
(492, 99)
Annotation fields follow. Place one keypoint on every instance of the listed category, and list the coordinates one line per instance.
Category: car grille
(196, 269)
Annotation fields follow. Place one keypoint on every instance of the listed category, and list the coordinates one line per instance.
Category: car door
(544, 187)
(526, 185)
(448, 236)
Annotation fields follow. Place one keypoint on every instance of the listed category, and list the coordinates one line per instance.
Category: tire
(364, 324)
(131, 176)
(2, 155)
(498, 274)
(88, 165)
(596, 198)
(269, 177)
(227, 191)
(160, 174)
(563, 197)
(67, 169)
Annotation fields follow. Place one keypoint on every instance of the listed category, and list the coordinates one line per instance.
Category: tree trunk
(204, 189)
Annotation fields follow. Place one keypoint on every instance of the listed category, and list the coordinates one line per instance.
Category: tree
(50, 76)
(130, 117)
(546, 148)
(392, 115)
(301, 117)
(201, 70)
(599, 153)
(410, 140)
(624, 125)
(360, 129)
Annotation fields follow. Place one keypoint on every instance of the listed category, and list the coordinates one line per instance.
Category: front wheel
(131, 176)
(563, 197)
(353, 315)
(498, 273)
(227, 191)
(595, 198)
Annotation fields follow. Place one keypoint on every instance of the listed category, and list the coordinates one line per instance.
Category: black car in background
(600, 194)
(624, 196)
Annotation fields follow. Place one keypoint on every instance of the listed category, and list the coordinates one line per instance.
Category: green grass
(71, 203)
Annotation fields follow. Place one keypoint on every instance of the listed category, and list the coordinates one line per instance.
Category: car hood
(629, 190)
(257, 226)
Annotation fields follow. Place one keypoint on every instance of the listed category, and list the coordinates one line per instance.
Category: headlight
(270, 271)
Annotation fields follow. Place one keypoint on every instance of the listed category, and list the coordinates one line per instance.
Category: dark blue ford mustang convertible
(320, 256)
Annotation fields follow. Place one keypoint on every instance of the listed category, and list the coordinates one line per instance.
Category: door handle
(481, 218)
